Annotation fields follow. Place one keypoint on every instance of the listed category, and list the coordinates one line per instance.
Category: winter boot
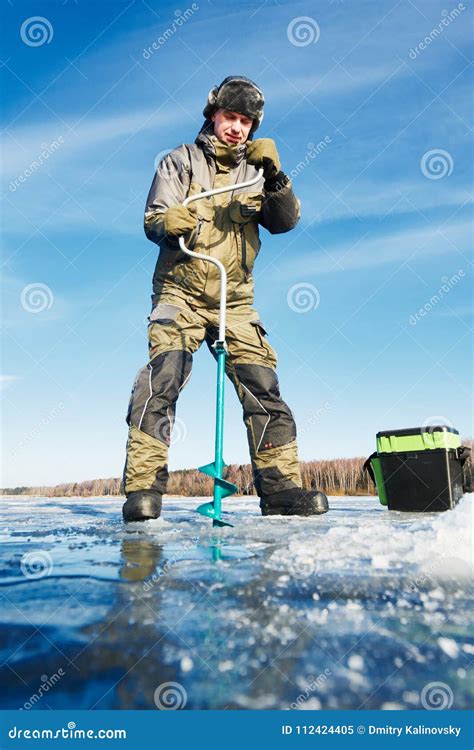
(142, 505)
(294, 502)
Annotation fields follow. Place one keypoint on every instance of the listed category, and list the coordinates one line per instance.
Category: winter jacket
(228, 224)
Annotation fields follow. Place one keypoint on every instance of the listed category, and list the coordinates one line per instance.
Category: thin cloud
(397, 247)
(376, 201)
(5, 380)
(22, 145)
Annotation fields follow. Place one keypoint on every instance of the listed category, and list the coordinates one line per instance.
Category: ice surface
(359, 608)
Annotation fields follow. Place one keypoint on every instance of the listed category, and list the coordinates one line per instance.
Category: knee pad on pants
(155, 391)
(270, 418)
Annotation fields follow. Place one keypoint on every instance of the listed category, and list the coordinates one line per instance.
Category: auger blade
(227, 488)
(207, 509)
(209, 469)
(220, 522)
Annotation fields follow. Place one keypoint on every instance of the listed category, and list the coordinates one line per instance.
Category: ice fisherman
(185, 303)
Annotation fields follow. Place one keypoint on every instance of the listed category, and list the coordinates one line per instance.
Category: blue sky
(385, 221)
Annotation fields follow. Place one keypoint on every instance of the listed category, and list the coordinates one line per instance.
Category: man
(185, 302)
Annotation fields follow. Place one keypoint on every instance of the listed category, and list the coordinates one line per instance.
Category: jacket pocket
(179, 269)
(191, 273)
(164, 313)
(268, 352)
(244, 213)
(260, 330)
(205, 212)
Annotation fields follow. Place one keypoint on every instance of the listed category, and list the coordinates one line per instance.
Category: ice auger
(222, 488)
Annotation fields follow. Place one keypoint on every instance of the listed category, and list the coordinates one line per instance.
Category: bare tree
(340, 476)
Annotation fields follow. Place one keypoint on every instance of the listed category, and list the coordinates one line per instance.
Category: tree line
(340, 476)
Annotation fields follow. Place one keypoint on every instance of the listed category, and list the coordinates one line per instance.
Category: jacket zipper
(243, 242)
(199, 226)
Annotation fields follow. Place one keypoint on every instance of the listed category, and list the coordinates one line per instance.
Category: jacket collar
(218, 151)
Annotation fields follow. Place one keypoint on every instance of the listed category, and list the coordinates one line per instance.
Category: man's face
(231, 127)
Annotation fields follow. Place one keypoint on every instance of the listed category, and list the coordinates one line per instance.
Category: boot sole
(292, 512)
(285, 511)
(141, 509)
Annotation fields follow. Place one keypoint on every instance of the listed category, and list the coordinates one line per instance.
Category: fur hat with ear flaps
(237, 94)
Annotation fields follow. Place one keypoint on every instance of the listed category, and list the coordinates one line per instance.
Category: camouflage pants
(175, 332)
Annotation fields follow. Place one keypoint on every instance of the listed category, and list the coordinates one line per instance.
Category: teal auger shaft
(218, 452)
(222, 488)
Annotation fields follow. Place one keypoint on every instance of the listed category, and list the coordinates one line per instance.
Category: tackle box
(420, 469)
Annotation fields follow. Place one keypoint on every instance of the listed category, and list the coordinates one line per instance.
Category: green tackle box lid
(417, 439)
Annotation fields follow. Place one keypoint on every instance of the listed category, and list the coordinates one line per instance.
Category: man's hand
(179, 220)
(263, 153)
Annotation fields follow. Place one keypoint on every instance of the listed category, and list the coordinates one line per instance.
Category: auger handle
(223, 273)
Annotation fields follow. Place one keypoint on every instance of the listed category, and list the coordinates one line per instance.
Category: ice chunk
(449, 646)
(355, 661)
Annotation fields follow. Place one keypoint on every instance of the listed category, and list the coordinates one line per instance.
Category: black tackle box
(420, 469)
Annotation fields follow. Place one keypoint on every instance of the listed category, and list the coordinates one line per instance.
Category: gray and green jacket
(228, 224)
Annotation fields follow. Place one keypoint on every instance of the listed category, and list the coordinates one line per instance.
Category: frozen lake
(360, 608)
